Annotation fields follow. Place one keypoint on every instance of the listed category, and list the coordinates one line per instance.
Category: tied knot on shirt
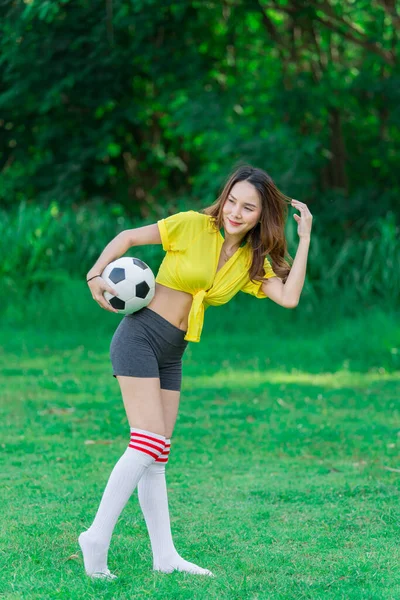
(196, 314)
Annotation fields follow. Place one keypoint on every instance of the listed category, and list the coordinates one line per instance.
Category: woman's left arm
(288, 294)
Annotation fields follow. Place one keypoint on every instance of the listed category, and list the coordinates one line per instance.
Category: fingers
(104, 304)
(300, 205)
(98, 288)
(101, 301)
(110, 290)
(113, 293)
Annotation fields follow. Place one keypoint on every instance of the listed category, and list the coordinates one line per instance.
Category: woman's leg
(142, 401)
(153, 499)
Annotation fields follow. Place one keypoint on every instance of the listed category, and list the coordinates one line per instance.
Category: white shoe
(106, 574)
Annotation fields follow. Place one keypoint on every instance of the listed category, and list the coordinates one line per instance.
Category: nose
(236, 216)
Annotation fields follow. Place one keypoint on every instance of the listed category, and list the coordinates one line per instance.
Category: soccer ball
(133, 280)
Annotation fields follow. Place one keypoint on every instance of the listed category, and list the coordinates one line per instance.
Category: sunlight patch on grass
(242, 378)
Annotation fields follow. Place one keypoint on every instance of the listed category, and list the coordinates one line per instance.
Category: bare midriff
(173, 305)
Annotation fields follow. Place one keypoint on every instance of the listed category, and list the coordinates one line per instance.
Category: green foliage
(141, 103)
(45, 247)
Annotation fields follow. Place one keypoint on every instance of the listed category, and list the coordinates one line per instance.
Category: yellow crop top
(193, 248)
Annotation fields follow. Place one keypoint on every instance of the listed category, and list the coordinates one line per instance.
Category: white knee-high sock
(153, 500)
(144, 447)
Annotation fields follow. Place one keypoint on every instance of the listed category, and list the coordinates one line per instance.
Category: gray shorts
(147, 345)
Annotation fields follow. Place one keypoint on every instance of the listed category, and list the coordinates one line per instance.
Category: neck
(232, 241)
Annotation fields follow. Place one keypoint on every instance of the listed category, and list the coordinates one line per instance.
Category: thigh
(135, 366)
(170, 404)
(142, 402)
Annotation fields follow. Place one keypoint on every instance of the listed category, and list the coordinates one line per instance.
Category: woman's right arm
(149, 234)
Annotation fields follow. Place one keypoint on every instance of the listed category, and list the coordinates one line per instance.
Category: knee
(153, 425)
(159, 431)
(143, 403)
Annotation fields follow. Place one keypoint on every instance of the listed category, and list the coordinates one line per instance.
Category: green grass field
(284, 474)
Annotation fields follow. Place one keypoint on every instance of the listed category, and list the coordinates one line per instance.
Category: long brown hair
(268, 236)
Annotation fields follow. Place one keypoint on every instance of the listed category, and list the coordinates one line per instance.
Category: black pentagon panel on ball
(139, 263)
(117, 275)
(117, 303)
(142, 289)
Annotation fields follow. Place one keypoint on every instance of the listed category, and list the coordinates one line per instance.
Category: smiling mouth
(234, 222)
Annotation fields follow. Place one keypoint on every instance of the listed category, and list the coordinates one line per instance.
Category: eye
(230, 199)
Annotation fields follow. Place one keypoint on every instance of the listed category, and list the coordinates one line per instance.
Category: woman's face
(242, 206)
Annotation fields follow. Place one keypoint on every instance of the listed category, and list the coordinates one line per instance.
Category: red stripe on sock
(139, 441)
(149, 452)
(164, 455)
(149, 437)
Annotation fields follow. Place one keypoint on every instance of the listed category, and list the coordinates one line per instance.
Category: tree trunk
(334, 174)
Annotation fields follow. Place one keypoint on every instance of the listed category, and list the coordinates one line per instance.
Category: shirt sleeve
(177, 230)
(255, 288)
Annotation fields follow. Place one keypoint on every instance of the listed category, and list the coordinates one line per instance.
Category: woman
(210, 256)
